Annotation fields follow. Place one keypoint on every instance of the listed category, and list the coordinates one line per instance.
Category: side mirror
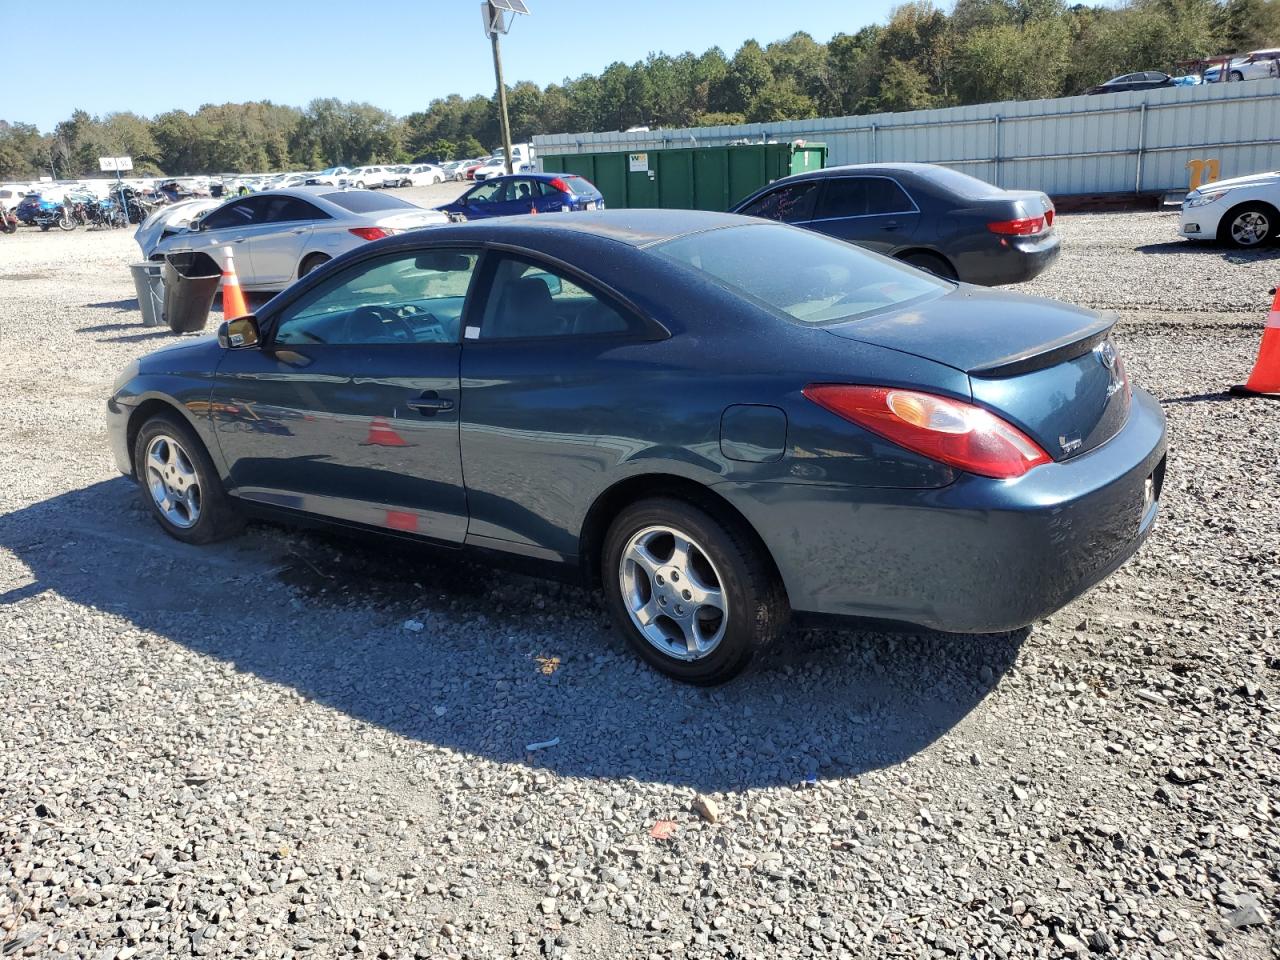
(196, 225)
(239, 334)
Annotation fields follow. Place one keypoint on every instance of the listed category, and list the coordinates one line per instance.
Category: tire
(45, 227)
(932, 263)
(642, 571)
(435, 180)
(1235, 75)
(1249, 226)
(181, 485)
(311, 262)
(360, 185)
(67, 222)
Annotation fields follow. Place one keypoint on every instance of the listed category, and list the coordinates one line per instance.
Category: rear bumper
(975, 556)
(999, 260)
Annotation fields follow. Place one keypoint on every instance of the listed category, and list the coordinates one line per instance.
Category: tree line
(981, 51)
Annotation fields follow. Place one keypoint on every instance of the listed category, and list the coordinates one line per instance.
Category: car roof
(637, 228)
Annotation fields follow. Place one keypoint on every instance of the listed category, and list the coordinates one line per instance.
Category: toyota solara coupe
(718, 420)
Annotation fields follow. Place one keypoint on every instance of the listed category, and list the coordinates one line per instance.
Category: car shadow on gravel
(120, 305)
(456, 655)
(1204, 248)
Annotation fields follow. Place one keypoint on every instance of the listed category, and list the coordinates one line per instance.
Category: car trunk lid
(1048, 368)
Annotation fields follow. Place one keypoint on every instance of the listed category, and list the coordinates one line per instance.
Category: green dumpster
(689, 178)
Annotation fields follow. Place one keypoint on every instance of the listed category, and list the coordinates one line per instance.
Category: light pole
(496, 22)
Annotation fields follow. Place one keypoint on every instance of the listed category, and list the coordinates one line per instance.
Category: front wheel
(1235, 75)
(1248, 225)
(695, 595)
(66, 222)
(181, 484)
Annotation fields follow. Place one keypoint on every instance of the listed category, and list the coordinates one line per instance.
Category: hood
(173, 218)
(198, 356)
(1250, 180)
(983, 331)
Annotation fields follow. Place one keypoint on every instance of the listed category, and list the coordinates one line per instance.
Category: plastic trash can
(190, 282)
(148, 284)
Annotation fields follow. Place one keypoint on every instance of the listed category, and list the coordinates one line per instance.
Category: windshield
(807, 276)
(367, 201)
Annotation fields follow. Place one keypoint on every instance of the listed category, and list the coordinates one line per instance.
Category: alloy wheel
(1250, 228)
(673, 592)
(173, 482)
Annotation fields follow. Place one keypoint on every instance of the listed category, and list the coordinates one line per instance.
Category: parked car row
(1255, 65)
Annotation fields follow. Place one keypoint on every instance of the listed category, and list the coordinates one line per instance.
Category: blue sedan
(723, 422)
(525, 193)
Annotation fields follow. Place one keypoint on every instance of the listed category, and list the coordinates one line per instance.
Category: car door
(871, 211)
(541, 357)
(350, 408)
(286, 225)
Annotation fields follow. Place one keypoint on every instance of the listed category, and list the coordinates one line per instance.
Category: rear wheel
(1248, 225)
(938, 266)
(180, 482)
(311, 262)
(694, 595)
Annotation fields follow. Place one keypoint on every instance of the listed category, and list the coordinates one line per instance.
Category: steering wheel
(361, 317)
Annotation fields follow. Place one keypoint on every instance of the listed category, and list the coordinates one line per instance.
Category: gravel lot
(250, 750)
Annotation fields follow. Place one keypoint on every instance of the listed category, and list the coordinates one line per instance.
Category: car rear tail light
(960, 434)
(558, 184)
(1048, 216)
(371, 233)
(1021, 227)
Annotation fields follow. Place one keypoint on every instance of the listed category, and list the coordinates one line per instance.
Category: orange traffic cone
(233, 303)
(1265, 378)
(381, 435)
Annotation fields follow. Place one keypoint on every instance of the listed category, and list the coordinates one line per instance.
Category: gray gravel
(289, 745)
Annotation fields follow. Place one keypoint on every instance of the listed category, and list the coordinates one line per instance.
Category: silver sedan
(278, 236)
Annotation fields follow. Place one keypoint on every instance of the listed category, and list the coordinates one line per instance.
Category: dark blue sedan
(525, 193)
(719, 420)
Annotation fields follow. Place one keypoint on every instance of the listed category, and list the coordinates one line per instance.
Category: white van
(11, 194)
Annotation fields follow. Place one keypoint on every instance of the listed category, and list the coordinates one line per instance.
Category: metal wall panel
(1115, 143)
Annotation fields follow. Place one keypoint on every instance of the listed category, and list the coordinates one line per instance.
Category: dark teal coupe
(721, 421)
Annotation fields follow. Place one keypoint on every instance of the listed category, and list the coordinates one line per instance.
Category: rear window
(807, 276)
(961, 184)
(579, 185)
(362, 201)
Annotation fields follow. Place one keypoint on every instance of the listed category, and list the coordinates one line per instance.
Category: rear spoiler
(1047, 355)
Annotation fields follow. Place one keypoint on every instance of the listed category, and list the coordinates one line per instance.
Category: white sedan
(280, 235)
(415, 175)
(498, 168)
(1244, 211)
(366, 178)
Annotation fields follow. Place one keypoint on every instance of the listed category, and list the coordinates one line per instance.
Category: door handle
(430, 403)
(238, 240)
(891, 225)
(301, 230)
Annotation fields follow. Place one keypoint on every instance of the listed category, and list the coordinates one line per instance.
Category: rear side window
(367, 202)
(861, 197)
(806, 276)
(530, 301)
(793, 203)
(286, 209)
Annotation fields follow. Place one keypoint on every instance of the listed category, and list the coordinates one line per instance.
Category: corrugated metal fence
(1116, 143)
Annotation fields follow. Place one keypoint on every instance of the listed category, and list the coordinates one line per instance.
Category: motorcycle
(50, 214)
(8, 220)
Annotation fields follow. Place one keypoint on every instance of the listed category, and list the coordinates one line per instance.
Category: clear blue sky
(398, 55)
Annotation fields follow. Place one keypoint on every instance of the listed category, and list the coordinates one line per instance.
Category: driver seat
(526, 310)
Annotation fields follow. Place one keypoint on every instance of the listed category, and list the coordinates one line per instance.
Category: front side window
(793, 203)
(238, 214)
(808, 277)
(491, 191)
(406, 297)
(528, 300)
